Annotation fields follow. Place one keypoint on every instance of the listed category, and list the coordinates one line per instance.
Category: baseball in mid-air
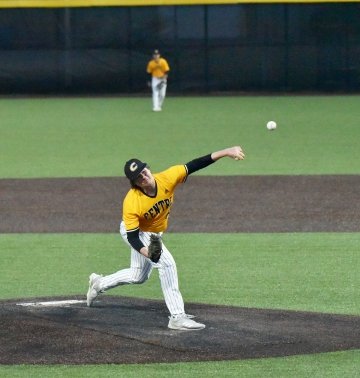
(271, 125)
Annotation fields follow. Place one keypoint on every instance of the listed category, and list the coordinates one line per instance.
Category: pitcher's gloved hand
(155, 248)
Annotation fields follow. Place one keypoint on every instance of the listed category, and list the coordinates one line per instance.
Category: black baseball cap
(133, 167)
(156, 52)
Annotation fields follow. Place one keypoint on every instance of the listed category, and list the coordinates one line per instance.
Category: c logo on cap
(133, 167)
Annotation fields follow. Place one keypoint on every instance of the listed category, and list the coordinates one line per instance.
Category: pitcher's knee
(139, 277)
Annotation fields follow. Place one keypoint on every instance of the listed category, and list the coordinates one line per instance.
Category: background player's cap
(156, 52)
(133, 167)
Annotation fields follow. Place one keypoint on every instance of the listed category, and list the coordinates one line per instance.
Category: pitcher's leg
(139, 271)
(169, 283)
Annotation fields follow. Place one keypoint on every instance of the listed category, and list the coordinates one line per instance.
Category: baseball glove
(155, 248)
(161, 84)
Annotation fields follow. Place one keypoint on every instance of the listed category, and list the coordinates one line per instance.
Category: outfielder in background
(158, 68)
(146, 210)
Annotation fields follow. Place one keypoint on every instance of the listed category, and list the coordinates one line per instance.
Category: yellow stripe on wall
(103, 3)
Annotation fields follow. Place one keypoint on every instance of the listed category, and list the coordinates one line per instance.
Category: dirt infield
(203, 204)
(129, 330)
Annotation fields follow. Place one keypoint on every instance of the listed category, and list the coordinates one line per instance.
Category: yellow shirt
(158, 69)
(151, 213)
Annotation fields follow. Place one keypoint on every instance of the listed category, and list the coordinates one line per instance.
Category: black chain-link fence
(244, 47)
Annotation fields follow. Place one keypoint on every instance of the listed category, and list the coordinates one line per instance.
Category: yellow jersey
(158, 68)
(151, 214)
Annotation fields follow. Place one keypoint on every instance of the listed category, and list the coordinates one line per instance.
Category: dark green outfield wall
(248, 47)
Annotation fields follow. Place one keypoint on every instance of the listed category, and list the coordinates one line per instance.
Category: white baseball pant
(158, 95)
(140, 270)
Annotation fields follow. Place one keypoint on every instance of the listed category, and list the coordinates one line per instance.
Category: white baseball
(271, 125)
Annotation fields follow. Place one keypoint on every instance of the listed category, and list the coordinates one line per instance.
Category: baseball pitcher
(146, 210)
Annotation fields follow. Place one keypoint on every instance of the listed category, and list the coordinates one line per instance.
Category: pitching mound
(128, 330)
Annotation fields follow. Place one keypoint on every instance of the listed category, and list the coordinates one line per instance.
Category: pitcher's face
(145, 179)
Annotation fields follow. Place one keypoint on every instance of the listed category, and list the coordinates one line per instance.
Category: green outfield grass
(310, 272)
(64, 137)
